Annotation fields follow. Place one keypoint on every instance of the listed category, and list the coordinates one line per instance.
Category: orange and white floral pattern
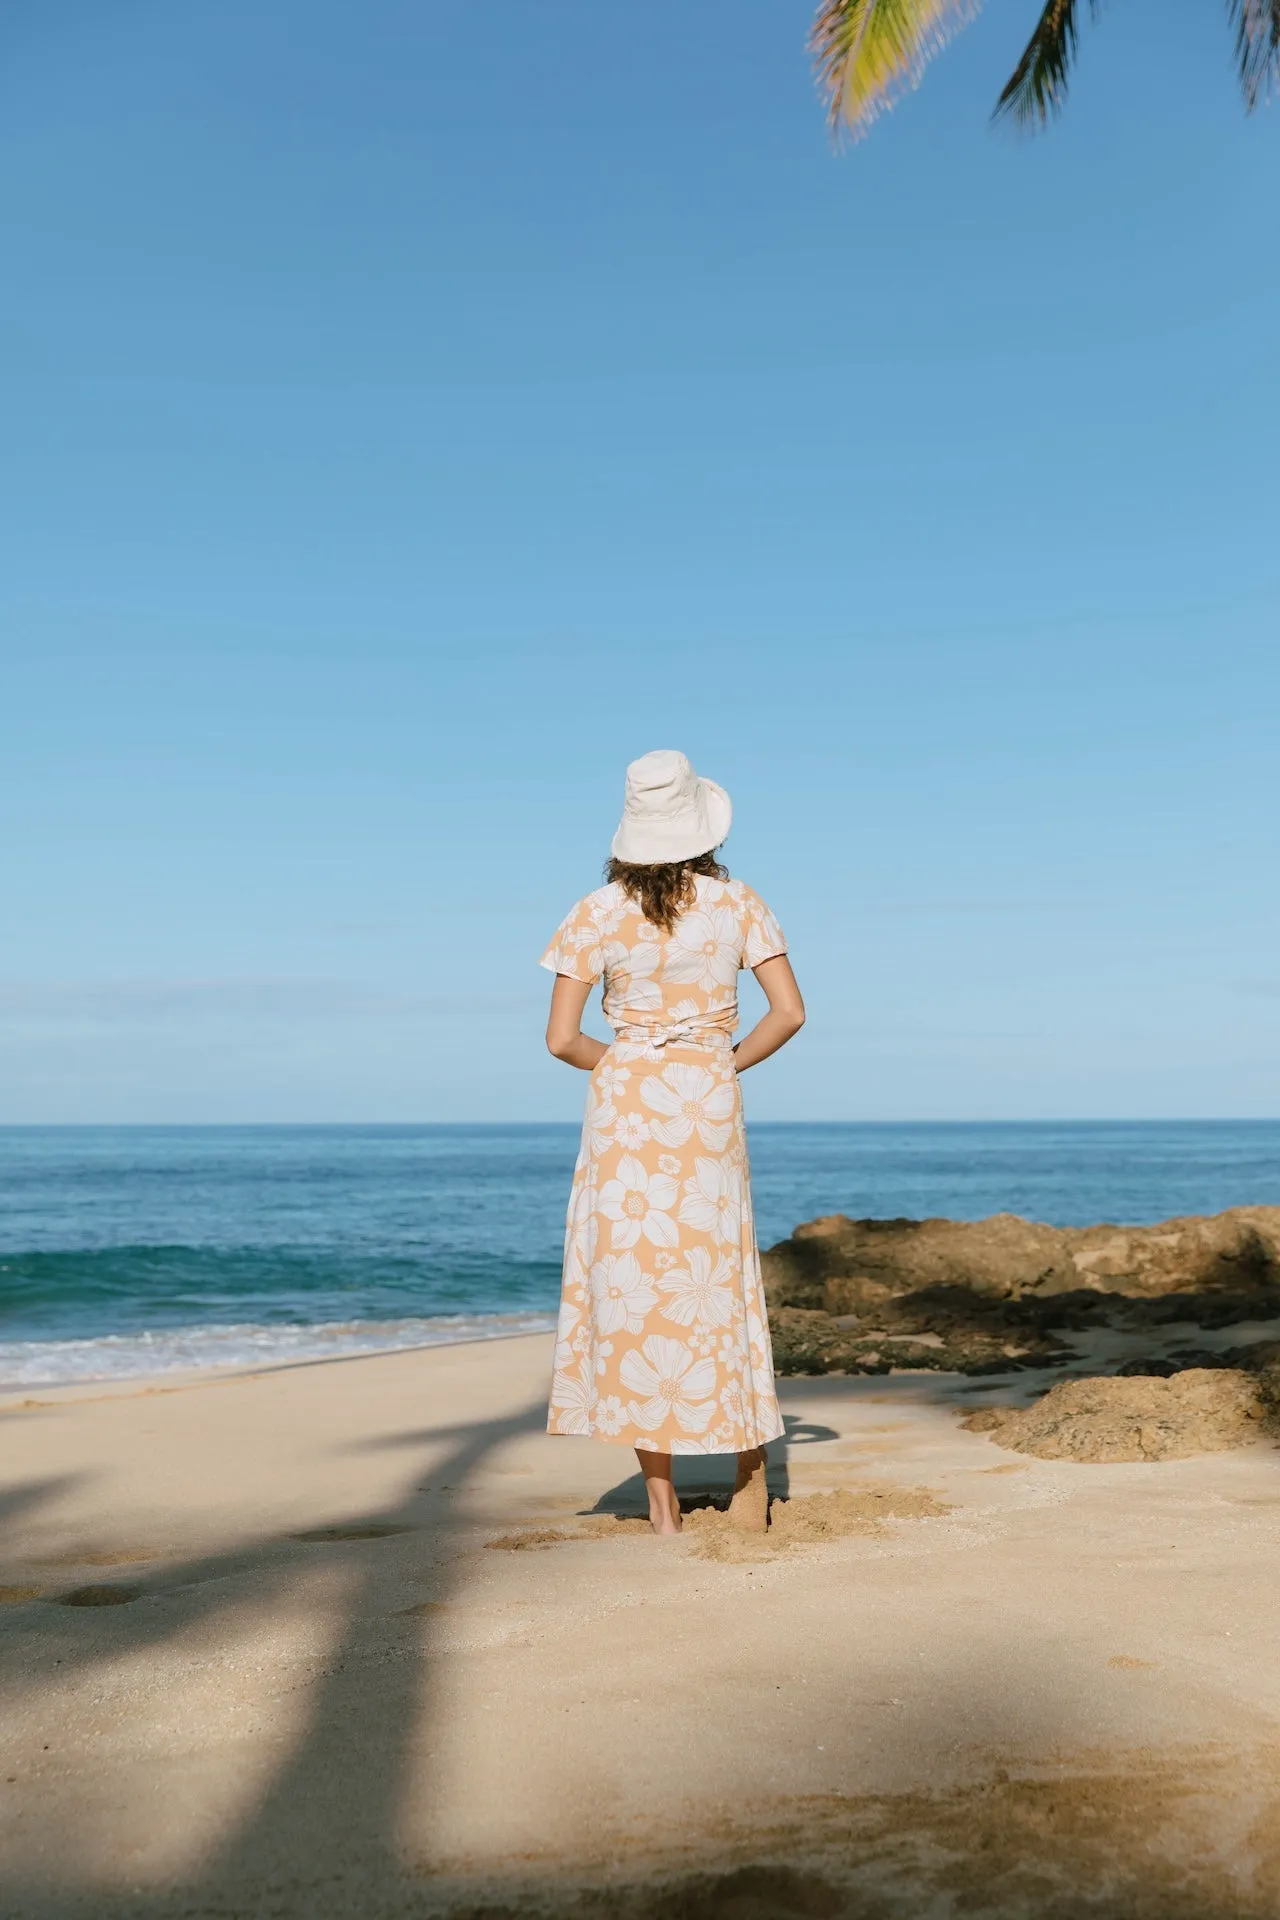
(663, 1339)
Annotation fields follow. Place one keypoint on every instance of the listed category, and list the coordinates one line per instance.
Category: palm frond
(1037, 86)
(866, 53)
(1257, 25)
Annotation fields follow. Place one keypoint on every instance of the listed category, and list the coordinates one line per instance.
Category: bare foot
(664, 1508)
(749, 1507)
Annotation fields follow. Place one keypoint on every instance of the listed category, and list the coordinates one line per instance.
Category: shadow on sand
(705, 1480)
(321, 1840)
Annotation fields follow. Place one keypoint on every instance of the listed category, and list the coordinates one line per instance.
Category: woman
(663, 1342)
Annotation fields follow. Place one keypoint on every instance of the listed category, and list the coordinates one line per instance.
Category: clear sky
(411, 412)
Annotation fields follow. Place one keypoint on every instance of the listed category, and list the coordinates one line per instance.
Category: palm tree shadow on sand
(322, 1838)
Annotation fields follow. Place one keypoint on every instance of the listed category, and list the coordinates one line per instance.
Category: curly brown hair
(664, 892)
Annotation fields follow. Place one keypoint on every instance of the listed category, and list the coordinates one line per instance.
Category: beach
(355, 1638)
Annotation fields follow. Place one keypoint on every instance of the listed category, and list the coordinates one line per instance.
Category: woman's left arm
(565, 1038)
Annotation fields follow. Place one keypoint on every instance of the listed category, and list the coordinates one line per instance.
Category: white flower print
(582, 1235)
(733, 1352)
(579, 1252)
(610, 1080)
(567, 1319)
(767, 1422)
(582, 955)
(597, 1128)
(611, 1415)
(689, 1097)
(632, 987)
(711, 1202)
(764, 935)
(669, 1163)
(604, 1353)
(608, 909)
(734, 1403)
(566, 1329)
(663, 1260)
(699, 1293)
(735, 1156)
(574, 1397)
(673, 1383)
(621, 1294)
(636, 1202)
(705, 949)
(761, 1357)
(631, 1131)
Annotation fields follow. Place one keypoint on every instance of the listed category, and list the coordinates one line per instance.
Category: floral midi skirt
(663, 1338)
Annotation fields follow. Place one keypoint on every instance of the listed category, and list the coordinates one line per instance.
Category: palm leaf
(1037, 86)
(868, 52)
(1257, 25)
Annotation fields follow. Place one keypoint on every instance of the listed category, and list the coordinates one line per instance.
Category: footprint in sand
(537, 1537)
(14, 1596)
(95, 1557)
(320, 1536)
(99, 1596)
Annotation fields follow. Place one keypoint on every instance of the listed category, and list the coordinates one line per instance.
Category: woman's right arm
(784, 1018)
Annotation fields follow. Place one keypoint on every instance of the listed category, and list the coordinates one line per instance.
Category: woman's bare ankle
(664, 1508)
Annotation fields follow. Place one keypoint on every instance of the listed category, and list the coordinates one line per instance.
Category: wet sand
(356, 1639)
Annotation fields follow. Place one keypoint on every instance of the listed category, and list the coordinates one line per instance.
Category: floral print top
(687, 979)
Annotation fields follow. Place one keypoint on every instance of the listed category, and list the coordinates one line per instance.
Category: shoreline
(114, 1386)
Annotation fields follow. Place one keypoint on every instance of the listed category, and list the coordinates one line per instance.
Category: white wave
(125, 1356)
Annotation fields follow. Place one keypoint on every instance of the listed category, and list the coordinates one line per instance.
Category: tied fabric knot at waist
(650, 1043)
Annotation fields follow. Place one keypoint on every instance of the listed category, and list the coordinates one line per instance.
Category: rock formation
(983, 1296)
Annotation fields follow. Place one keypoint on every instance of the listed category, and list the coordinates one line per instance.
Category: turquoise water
(135, 1250)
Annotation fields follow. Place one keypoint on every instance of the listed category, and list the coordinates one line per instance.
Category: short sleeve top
(652, 979)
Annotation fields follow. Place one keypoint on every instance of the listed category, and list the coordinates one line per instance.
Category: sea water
(128, 1251)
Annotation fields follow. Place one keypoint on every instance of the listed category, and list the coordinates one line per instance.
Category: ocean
(128, 1251)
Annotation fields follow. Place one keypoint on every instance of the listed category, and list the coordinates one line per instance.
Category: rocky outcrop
(982, 1296)
(845, 1266)
(809, 1342)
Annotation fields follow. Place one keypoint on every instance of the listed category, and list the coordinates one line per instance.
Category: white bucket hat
(668, 813)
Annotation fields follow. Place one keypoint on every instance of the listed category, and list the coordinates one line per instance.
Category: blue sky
(412, 413)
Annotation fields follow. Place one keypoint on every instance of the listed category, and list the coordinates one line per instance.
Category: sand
(355, 1639)
(1200, 1410)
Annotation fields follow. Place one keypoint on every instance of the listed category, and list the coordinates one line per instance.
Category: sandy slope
(1058, 1697)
